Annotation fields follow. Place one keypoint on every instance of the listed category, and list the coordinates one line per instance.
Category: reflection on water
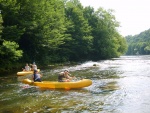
(120, 85)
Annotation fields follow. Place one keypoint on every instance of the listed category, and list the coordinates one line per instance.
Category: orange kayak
(60, 85)
(22, 73)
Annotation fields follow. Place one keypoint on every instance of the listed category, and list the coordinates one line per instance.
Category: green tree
(38, 27)
(80, 31)
(57, 31)
(9, 52)
(107, 42)
(139, 44)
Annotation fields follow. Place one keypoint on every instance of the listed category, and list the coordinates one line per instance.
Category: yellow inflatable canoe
(60, 85)
(22, 73)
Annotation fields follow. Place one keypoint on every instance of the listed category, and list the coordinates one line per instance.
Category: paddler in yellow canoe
(26, 68)
(64, 76)
(37, 76)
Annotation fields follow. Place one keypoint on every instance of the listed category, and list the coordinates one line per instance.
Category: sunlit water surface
(120, 85)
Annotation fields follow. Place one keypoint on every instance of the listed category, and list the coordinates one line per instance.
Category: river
(120, 85)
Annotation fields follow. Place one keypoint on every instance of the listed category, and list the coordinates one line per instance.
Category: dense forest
(139, 44)
(53, 31)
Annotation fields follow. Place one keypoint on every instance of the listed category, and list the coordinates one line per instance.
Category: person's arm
(38, 75)
(69, 77)
(41, 75)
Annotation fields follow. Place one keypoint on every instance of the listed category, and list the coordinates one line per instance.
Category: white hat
(66, 70)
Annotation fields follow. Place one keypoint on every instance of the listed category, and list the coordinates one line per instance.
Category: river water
(120, 85)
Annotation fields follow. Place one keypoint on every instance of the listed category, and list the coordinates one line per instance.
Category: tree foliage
(9, 52)
(139, 44)
(107, 42)
(49, 31)
(80, 31)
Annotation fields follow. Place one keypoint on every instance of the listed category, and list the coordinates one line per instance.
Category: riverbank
(4, 72)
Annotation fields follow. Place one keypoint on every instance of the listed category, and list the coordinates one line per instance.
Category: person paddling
(27, 67)
(36, 76)
(64, 76)
(34, 66)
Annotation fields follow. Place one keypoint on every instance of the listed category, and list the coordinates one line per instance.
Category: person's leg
(38, 80)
